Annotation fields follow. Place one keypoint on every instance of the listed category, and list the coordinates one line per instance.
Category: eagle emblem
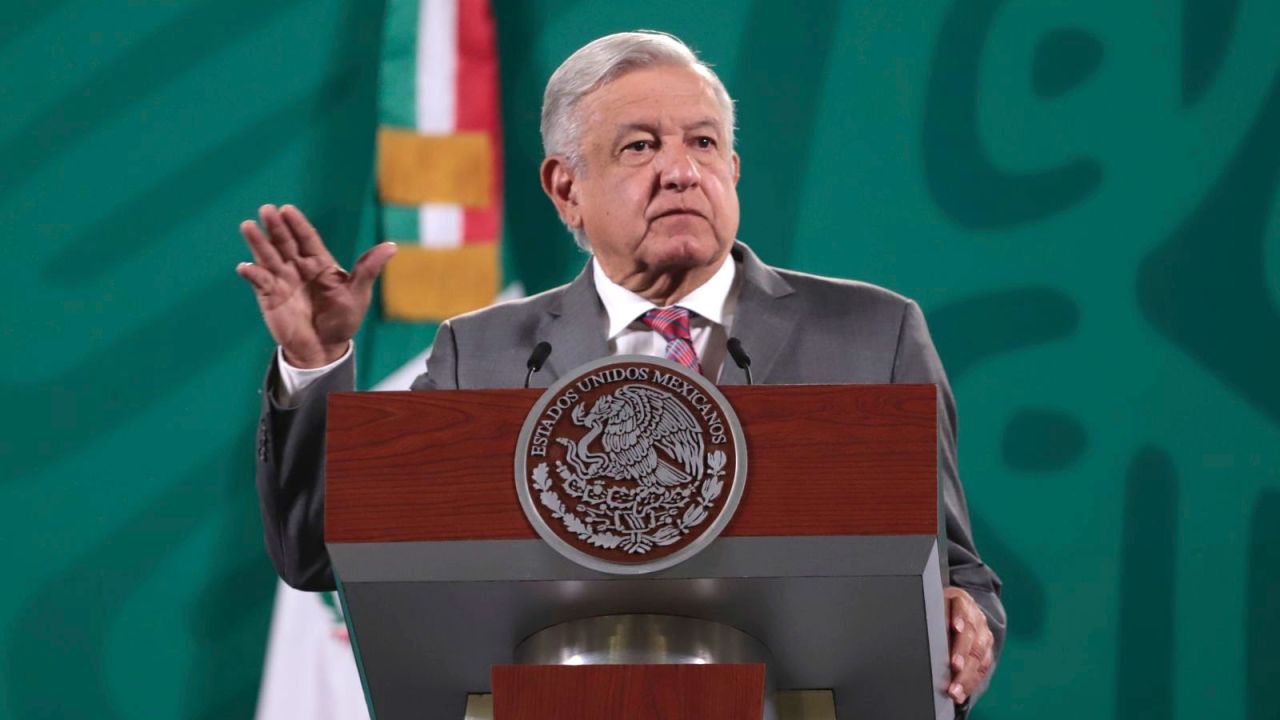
(633, 424)
(629, 462)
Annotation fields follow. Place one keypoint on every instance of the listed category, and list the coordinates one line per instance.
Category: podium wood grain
(822, 460)
(628, 692)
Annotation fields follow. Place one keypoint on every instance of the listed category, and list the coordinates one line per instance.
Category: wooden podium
(831, 561)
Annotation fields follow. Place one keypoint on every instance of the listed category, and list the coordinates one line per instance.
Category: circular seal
(630, 464)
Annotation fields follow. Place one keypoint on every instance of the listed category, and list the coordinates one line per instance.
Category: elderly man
(641, 168)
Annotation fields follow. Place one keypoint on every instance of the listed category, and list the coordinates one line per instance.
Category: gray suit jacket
(797, 328)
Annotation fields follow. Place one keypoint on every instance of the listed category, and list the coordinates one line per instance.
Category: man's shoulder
(841, 294)
(855, 326)
(511, 313)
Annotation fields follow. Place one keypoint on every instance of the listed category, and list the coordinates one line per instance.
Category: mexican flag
(439, 196)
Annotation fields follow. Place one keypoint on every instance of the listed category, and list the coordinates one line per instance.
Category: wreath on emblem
(639, 478)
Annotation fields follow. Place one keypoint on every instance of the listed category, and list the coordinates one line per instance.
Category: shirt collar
(708, 300)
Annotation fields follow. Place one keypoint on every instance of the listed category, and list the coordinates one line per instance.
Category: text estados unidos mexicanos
(567, 400)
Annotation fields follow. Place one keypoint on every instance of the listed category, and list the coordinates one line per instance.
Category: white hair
(600, 62)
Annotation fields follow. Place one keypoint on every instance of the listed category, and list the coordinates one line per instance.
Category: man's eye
(704, 142)
(638, 146)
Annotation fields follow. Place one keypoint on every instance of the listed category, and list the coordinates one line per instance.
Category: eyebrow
(705, 122)
(652, 129)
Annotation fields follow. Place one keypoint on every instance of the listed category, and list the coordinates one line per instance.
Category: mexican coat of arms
(630, 465)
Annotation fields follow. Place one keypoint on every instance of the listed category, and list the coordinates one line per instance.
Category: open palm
(311, 306)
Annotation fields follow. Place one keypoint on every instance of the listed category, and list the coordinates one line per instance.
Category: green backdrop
(1081, 194)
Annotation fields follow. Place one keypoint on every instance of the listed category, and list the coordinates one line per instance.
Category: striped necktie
(673, 325)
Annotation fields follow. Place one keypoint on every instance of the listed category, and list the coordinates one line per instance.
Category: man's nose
(678, 171)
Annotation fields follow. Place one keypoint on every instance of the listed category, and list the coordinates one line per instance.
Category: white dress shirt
(711, 307)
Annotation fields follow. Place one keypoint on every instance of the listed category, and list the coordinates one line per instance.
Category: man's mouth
(677, 212)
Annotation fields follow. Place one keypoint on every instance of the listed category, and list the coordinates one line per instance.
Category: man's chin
(682, 252)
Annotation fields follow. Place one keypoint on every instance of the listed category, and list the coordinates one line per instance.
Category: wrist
(317, 358)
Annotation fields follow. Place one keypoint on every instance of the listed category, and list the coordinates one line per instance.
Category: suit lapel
(766, 316)
(575, 328)
(764, 320)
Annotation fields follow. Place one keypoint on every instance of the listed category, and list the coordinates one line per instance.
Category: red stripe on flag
(480, 225)
(477, 106)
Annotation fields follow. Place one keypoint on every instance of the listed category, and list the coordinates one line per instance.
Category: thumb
(370, 265)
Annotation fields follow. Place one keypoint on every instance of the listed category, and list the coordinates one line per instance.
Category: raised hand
(311, 306)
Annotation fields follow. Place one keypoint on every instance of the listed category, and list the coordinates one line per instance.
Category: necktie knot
(672, 323)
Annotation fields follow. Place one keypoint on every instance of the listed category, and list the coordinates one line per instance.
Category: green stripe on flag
(388, 345)
(384, 345)
(399, 64)
(399, 223)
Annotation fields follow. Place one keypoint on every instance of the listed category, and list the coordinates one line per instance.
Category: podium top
(824, 460)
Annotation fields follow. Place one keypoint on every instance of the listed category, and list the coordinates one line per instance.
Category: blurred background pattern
(1081, 194)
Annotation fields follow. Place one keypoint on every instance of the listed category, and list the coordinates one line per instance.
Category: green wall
(1082, 195)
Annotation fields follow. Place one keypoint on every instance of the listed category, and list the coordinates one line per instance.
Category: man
(640, 166)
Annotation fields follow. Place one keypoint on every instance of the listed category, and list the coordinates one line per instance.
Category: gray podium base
(862, 616)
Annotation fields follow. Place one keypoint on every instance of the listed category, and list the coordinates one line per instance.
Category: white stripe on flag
(435, 98)
(440, 225)
(435, 92)
(310, 671)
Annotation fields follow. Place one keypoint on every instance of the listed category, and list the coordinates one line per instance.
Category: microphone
(540, 353)
(740, 357)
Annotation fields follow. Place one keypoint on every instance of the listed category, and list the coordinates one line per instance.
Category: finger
(264, 253)
(370, 265)
(956, 613)
(260, 279)
(312, 268)
(331, 277)
(988, 660)
(981, 644)
(982, 657)
(280, 234)
(966, 682)
(309, 242)
(984, 638)
(963, 632)
(960, 653)
(977, 662)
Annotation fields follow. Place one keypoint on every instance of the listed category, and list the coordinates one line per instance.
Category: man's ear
(560, 184)
(737, 168)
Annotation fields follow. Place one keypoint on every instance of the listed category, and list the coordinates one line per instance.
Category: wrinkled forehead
(661, 96)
